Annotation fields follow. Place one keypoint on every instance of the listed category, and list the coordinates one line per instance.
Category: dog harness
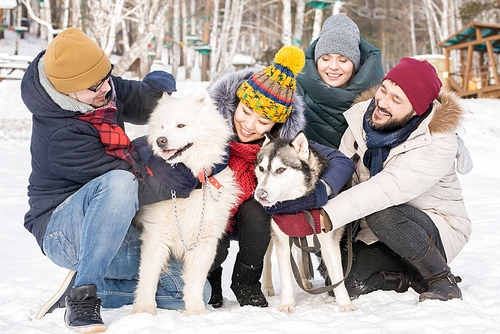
(296, 225)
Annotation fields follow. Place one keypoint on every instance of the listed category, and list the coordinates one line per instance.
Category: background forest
(217, 35)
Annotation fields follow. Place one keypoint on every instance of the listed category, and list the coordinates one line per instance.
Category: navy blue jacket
(66, 153)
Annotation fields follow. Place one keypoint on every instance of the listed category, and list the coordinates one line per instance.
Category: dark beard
(391, 125)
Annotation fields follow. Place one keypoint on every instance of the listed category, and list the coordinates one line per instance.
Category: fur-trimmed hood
(447, 113)
(223, 92)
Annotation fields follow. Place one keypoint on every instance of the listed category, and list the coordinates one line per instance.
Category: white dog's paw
(288, 309)
(347, 307)
(195, 311)
(268, 292)
(143, 309)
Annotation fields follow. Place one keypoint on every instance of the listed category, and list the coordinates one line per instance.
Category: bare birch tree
(286, 25)
(299, 22)
(177, 38)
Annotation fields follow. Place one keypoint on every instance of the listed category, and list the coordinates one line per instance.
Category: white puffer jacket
(419, 172)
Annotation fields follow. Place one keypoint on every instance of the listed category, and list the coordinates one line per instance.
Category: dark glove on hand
(158, 81)
(175, 177)
(316, 199)
(220, 167)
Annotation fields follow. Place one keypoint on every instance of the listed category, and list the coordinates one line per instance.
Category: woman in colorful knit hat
(254, 102)
(339, 66)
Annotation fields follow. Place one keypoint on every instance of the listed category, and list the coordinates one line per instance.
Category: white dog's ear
(201, 93)
(268, 138)
(301, 145)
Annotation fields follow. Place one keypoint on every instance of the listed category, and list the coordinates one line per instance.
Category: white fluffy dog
(188, 130)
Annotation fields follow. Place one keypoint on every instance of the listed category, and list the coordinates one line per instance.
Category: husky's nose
(261, 194)
(161, 142)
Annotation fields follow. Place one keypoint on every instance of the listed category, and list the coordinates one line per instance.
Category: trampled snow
(28, 279)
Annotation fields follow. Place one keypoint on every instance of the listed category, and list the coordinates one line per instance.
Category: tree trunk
(286, 19)
(139, 48)
(214, 56)
(221, 51)
(205, 59)
(318, 21)
(299, 23)
(177, 39)
(412, 30)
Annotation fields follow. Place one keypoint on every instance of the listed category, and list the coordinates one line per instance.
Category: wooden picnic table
(9, 64)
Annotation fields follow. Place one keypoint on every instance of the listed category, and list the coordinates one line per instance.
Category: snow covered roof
(241, 59)
(8, 4)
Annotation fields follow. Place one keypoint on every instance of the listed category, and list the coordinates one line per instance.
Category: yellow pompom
(291, 57)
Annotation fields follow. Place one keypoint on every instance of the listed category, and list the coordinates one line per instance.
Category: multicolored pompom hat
(270, 92)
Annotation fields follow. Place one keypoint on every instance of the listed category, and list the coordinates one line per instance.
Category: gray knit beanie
(339, 35)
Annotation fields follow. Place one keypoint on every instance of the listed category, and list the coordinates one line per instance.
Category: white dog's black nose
(261, 194)
(161, 142)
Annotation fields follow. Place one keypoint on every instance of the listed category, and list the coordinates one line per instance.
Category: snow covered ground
(27, 278)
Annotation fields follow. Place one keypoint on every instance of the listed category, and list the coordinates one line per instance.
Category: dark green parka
(325, 104)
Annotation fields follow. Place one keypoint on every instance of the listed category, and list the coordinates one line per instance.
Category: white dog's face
(187, 129)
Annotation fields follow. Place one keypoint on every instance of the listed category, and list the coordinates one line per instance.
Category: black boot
(58, 300)
(83, 310)
(433, 268)
(400, 282)
(246, 285)
(215, 279)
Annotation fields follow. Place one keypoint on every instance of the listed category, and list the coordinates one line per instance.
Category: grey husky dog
(286, 170)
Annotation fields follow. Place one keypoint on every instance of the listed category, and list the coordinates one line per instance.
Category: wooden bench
(7, 70)
(9, 65)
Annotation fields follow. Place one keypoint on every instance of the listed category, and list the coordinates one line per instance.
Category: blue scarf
(379, 143)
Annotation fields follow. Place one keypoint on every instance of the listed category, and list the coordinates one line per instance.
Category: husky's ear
(268, 138)
(301, 145)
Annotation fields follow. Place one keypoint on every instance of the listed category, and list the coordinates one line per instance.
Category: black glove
(175, 177)
(316, 199)
(158, 81)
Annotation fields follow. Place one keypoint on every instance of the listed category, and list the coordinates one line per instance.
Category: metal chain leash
(200, 227)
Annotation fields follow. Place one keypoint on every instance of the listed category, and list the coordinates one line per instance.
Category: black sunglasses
(98, 86)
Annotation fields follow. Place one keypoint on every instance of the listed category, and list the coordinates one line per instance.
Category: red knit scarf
(242, 161)
(115, 141)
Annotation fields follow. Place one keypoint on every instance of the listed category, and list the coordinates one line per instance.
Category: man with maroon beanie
(405, 192)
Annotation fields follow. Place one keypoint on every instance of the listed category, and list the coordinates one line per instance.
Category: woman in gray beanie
(339, 66)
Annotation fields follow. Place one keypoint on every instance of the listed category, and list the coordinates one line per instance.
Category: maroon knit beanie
(419, 81)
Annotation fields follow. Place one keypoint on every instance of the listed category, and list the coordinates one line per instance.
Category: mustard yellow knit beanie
(270, 92)
(74, 62)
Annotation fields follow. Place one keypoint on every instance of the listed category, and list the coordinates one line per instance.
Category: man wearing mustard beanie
(87, 180)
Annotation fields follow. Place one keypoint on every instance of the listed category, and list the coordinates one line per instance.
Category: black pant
(253, 232)
(403, 232)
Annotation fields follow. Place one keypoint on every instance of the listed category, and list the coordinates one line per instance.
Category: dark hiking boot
(58, 300)
(83, 310)
(215, 280)
(434, 269)
(246, 284)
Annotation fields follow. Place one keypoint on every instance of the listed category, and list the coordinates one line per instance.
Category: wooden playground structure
(479, 48)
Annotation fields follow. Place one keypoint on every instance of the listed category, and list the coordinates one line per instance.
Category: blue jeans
(90, 232)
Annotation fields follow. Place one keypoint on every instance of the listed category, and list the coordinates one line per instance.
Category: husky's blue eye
(280, 170)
